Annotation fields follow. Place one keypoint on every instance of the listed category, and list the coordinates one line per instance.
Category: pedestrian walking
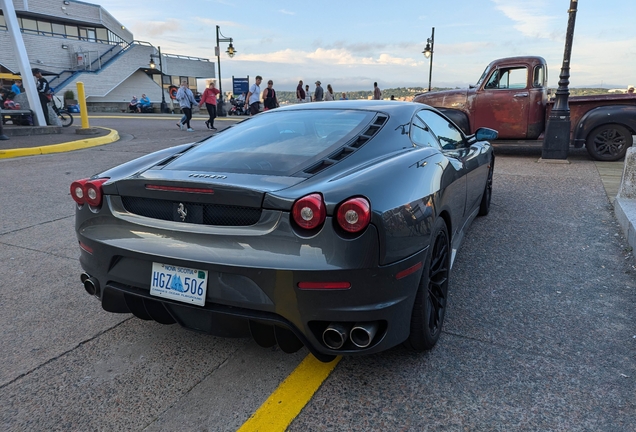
(186, 102)
(329, 96)
(630, 89)
(209, 99)
(269, 96)
(253, 99)
(300, 92)
(344, 96)
(319, 93)
(377, 94)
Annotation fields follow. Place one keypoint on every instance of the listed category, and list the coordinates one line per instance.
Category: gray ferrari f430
(332, 225)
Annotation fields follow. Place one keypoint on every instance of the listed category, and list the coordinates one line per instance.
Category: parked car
(332, 225)
(511, 96)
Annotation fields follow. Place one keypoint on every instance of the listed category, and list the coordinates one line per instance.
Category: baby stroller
(238, 107)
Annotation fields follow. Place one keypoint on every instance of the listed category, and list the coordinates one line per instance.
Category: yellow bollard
(81, 97)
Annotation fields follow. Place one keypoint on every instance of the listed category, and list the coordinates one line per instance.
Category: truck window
(538, 79)
(509, 78)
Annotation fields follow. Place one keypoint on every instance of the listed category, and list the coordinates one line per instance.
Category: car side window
(421, 134)
(447, 134)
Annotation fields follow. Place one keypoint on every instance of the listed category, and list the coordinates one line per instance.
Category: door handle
(521, 95)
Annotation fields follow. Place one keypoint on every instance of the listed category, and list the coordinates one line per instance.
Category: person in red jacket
(209, 99)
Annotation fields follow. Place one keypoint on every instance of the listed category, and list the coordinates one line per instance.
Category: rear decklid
(264, 154)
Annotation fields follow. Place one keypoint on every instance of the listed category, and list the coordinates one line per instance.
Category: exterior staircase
(104, 79)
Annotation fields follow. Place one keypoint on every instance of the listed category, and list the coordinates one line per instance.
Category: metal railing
(102, 61)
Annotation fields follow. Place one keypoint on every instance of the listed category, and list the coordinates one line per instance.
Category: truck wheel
(609, 142)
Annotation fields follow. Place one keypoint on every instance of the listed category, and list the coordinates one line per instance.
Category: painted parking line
(112, 136)
(291, 396)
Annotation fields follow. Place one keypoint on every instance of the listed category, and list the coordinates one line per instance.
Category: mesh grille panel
(206, 214)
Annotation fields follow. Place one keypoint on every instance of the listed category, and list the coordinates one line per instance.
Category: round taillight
(87, 191)
(94, 191)
(354, 214)
(78, 191)
(309, 212)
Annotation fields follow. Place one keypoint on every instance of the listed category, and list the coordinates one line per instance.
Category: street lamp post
(556, 140)
(230, 52)
(164, 106)
(428, 53)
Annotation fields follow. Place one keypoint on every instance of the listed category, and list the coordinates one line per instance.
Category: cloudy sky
(351, 44)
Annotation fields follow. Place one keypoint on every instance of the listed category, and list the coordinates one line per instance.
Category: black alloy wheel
(429, 308)
(609, 142)
(484, 206)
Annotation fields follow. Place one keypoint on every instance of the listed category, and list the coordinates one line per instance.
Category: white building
(73, 41)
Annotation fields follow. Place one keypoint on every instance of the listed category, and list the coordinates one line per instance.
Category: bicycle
(65, 117)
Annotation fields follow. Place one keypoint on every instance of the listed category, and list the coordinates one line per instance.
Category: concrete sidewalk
(56, 135)
(66, 140)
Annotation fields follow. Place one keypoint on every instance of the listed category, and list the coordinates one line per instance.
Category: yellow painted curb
(63, 147)
(291, 396)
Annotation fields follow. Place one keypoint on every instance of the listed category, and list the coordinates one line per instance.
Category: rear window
(277, 143)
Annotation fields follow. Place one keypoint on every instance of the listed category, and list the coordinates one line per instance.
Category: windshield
(277, 143)
(483, 76)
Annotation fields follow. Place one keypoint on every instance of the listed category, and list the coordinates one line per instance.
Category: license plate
(183, 284)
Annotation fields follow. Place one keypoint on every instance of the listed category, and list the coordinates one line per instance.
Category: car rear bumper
(253, 280)
(268, 305)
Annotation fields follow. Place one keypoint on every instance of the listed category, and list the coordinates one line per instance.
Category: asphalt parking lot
(540, 331)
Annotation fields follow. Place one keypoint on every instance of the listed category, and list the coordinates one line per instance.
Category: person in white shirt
(253, 99)
(307, 94)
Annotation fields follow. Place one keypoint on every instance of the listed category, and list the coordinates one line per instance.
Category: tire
(484, 206)
(609, 142)
(65, 118)
(429, 308)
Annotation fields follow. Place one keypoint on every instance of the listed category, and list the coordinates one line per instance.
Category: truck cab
(510, 97)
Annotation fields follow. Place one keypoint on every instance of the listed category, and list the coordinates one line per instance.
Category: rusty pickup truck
(512, 97)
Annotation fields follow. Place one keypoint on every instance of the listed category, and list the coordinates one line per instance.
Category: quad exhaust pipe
(361, 334)
(91, 284)
(335, 335)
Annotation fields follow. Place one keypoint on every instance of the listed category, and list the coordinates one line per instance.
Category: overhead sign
(240, 85)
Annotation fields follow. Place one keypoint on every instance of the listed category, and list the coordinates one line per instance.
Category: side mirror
(486, 134)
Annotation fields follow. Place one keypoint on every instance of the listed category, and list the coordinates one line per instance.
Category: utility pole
(556, 140)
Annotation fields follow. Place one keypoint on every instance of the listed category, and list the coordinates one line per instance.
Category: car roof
(389, 107)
